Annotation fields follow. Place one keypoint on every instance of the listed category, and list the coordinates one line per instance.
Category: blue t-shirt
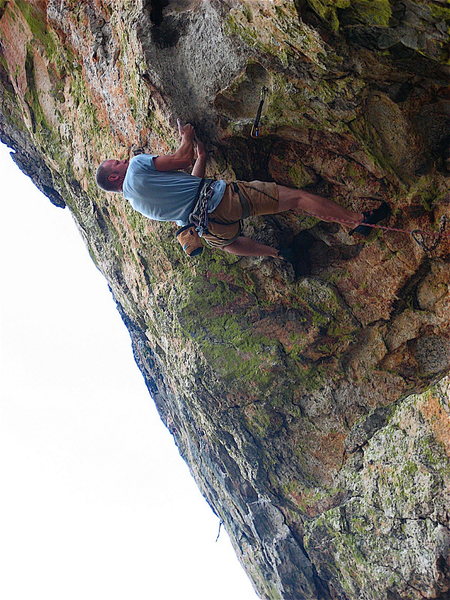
(164, 195)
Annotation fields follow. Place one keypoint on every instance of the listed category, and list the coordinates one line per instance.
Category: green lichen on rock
(39, 122)
(398, 489)
(370, 12)
(39, 28)
(328, 10)
(226, 338)
(262, 421)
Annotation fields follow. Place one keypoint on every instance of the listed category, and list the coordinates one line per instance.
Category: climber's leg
(318, 206)
(244, 246)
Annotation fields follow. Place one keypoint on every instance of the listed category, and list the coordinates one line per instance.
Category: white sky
(95, 502)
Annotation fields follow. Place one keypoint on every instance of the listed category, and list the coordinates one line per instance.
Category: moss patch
(327, 10)
(370, 12)
(39, 122)
(229, 346)
(262, 421)
(38, 26)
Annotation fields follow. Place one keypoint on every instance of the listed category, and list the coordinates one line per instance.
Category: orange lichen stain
(330, 450)
(326, 454)
(232, 307)
(289, 334)
(314, 501)
(438, 419)
(44, 89)
(40, 5)
(15, 35)
(225, 277)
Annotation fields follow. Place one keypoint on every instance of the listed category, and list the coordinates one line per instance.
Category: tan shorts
(254, 198)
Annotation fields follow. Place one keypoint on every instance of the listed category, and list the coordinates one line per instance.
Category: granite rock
(312, 411)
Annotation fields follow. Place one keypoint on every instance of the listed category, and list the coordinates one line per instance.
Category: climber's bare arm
(183, 157)
(200, 163)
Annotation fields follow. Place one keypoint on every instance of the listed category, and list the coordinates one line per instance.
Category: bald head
(110, 175)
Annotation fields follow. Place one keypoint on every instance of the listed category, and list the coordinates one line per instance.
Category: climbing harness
(189, 235)
(255, 128)
(199, 216)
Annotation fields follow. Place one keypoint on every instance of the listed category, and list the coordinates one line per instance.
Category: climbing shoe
(372, 217)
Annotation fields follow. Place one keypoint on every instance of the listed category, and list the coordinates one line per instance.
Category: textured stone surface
(308, 410)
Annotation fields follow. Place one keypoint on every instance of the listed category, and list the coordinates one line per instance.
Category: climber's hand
(187, 132)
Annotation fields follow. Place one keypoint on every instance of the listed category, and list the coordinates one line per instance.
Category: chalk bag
(190, 240)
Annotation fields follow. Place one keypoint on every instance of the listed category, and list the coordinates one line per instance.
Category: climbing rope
(427, 240)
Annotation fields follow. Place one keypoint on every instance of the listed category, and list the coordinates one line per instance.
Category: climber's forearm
(182, 158)
(199, 166)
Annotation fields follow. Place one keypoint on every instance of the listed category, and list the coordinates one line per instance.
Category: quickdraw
(255, 128)
(420, 237)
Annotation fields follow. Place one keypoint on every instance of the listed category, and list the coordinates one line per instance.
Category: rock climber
(157, 187)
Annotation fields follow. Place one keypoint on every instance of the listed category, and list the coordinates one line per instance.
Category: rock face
(308, 409)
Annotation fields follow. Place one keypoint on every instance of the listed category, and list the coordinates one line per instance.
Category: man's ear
(113, 177)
